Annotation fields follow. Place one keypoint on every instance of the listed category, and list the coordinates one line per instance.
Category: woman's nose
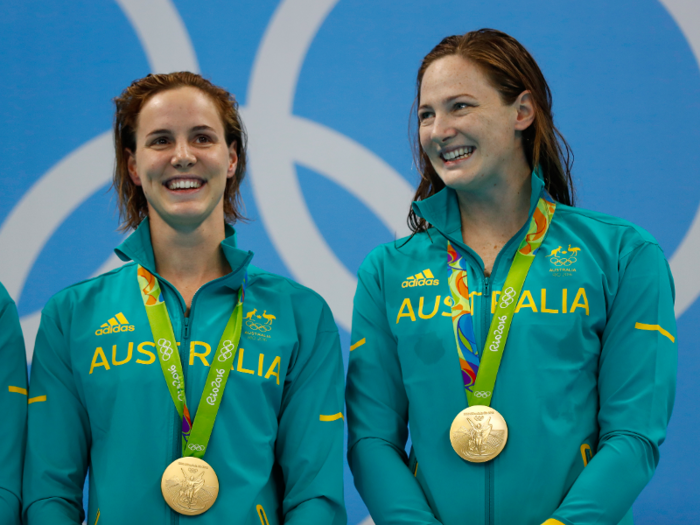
(443, 129)
(183, 157)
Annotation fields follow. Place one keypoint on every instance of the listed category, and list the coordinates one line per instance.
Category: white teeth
(458, 153)
(184, 184)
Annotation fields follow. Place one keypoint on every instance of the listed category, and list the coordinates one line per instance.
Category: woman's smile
(455, 156)
(184, 185)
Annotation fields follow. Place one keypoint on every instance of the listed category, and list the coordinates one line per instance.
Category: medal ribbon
(479, 372)
(195, 439)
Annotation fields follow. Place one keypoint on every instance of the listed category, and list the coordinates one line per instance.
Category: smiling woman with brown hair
(133, 205)
(188, 381)
(529, 345)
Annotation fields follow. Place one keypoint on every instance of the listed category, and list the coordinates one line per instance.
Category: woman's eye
(159, 141)
(461, 105)
(424, 115)
(202, 139)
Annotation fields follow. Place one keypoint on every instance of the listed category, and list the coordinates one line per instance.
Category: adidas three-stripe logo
(424, 278)
(118, 323)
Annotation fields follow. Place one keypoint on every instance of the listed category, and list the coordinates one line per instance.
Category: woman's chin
(462, 180)
(187, 215)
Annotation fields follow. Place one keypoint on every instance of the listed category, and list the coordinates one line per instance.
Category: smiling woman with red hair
(536, 363)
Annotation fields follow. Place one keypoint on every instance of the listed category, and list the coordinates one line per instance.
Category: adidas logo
(424, 278)
(118, 323)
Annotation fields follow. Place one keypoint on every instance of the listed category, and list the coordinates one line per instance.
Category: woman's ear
(131, 166)
(233, 160)
(525, 111)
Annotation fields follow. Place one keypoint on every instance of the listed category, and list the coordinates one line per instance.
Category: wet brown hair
(511, 70)
(132, 204)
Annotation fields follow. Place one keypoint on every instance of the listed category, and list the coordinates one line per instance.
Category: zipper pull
(487, 292)
(187, 328)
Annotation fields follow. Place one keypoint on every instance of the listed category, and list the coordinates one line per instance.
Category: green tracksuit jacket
(587, 377)
(13, 405)
(277, 442)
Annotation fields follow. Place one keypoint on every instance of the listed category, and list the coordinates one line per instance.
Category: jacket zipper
(490, 504)
(177, 434)
(488, 471)
(177, 446)
(177, 428)
(485, 315)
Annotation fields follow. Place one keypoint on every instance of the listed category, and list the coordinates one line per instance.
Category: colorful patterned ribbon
(479, 371)
(462, 322)
(195, 438)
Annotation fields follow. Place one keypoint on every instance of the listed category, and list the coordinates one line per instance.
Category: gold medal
(478, 434)
(189, 486)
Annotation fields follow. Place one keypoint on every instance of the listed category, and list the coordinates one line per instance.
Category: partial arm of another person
(59, 438)
(13, 403)
(378, 415)
(636, 384)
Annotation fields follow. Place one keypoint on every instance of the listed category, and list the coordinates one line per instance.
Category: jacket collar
(138, 248)
(442, 209)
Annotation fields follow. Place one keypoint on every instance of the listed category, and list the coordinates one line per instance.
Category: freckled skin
(459, 107)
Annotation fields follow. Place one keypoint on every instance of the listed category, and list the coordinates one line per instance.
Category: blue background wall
(326, 87)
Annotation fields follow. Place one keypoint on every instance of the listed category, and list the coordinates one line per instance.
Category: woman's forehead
(180, 107)
(454, 75)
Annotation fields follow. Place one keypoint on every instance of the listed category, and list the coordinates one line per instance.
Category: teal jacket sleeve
(636, 385)
(309, 446)
(378, 414)
(59, 433)
(13, 403)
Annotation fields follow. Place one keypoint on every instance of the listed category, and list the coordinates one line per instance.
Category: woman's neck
(490, 218)
(188, 257)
